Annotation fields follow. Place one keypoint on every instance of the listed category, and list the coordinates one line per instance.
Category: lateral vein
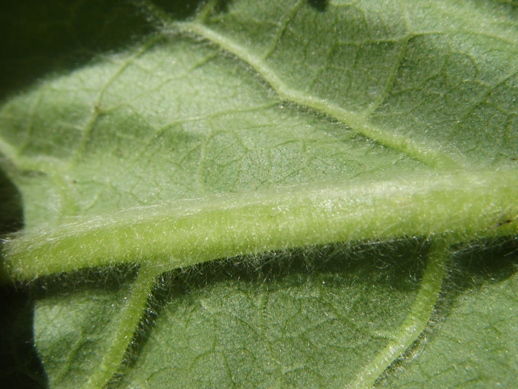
(357, 121)
(129, 318)
(416, 320)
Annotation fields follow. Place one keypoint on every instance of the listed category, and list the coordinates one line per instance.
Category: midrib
(464, 206)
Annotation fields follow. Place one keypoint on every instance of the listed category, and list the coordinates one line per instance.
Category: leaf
(469, 358)
(331, 156)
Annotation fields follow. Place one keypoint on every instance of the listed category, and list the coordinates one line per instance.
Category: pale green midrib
(416, 320)
(466, 205)
(357, 121)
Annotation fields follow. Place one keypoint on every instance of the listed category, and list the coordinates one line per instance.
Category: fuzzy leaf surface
(228, 104)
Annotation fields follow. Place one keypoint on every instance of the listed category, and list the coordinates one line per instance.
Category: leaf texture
(335, 160)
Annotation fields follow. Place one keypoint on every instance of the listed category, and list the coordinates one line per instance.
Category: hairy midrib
(464, 205)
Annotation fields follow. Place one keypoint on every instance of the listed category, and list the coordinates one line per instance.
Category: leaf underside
(273, 194)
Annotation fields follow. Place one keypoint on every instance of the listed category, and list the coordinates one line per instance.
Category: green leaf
(294, 184)
(456, 357)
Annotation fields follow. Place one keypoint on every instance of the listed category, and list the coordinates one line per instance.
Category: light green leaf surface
(337, 158)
